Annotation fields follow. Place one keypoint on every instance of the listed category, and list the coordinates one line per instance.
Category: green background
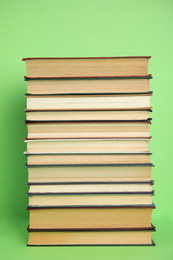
(54, 28)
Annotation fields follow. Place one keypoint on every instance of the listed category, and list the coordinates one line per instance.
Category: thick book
(91, 217)
(87, 158)
(115, 101)
(89, 145)
(87, 66)
(89, 173)
(97, 237)
(88, 129)
(88, 85)
(66, 115)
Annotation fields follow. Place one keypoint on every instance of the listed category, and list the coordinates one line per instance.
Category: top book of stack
(131, 66)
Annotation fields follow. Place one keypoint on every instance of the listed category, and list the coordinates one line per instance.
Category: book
(129, 101)
(88, 129)
(87, 158)
(90, 145)
(88, 85)
(87, 67)
(89, 173)
(90, 217)
(101, 199)
(90, 188)
(101, 237)
(78, 115)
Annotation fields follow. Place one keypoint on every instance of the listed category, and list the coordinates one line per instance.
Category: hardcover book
(92, 85)
(87, 67)
(87, 114)
(87, 145)
(88, 129)
(87, 158)
(89, 173)
(71, 102)
(101, 237)
(90, 217)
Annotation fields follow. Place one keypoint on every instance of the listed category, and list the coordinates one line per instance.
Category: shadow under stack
(88, 158)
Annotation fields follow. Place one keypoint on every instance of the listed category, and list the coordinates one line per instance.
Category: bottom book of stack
(91, 214)
(101, 237)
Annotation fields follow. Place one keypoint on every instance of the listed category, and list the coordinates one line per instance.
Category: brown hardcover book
(97, 237)
(87, 67)
(105, 85)
(90, 217)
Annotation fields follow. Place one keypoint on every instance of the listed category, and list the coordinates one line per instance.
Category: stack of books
(88, 158)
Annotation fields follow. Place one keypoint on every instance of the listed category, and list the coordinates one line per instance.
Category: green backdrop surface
(73, 28)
